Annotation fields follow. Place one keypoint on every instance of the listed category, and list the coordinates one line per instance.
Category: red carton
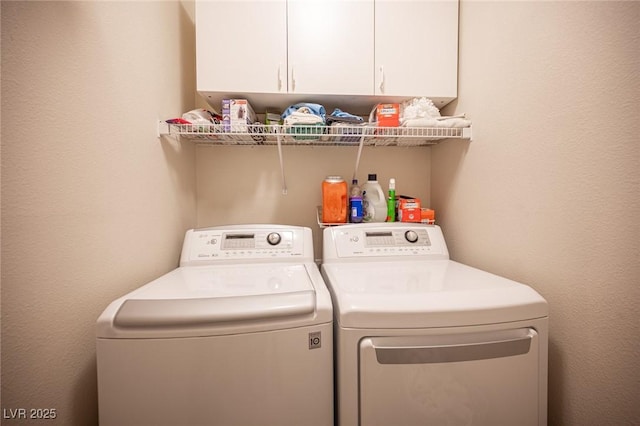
(427, 216)
(388, 115)
(408, 209)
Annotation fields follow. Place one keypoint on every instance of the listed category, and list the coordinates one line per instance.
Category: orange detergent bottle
(334, 200)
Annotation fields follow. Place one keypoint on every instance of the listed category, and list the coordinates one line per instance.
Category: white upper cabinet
(330, 45)
(241, 46)
(295, 46)
(337, 50)
(416, 48)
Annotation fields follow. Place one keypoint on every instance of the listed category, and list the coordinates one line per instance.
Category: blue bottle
(356, 212)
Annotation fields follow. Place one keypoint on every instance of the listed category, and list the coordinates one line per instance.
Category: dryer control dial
(411, 236)
(274, 238)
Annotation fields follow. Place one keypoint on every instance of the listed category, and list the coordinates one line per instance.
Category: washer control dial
(411, 236)
(274, 238)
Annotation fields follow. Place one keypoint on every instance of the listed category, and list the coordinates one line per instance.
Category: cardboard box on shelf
(237, 115)
(388, 115)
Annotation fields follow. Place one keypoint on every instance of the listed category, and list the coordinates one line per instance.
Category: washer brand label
(315, 340)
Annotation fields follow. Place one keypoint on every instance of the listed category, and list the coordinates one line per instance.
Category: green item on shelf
(307, 132)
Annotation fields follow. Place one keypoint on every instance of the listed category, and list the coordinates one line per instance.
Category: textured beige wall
(548, 192)
(93, 205)
(243, 184)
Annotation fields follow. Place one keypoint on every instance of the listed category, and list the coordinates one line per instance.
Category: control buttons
(274, 238)
(411, 236)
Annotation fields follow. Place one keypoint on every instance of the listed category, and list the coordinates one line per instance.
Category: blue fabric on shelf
(315, 109)
(341, 114)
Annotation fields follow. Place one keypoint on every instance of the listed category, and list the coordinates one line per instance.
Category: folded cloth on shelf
(307, 108)
(303, 116)
(453, 121)
(421, 112)
(340, 116)
(347, 124)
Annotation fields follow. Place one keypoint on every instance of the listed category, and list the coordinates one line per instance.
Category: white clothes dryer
(239, 334)
(423, 340)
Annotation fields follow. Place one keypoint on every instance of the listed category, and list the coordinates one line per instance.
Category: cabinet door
(416, 48)
(330, 46)
(241, 46)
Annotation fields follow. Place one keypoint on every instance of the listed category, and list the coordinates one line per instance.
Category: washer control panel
(396, 241)
(215, 244)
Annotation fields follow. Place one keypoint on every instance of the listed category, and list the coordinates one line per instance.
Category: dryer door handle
(390, 350)
(143, 313)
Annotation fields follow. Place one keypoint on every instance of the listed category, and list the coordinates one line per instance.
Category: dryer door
(481, 378)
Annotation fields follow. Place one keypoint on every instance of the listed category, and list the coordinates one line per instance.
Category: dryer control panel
(243, 243)
(384, 240)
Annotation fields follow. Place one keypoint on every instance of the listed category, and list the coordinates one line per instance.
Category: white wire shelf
(322, 224)
(260, 134)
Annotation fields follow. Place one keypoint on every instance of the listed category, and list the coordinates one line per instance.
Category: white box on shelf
(237, 115)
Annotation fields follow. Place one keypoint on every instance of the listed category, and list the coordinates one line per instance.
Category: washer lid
(438, 293)
(199, 296)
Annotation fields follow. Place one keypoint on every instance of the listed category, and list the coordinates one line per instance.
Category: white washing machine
(423, 340)
(239, 334)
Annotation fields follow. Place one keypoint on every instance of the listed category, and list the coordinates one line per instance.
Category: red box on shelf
(388, 115)
(408, 209)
